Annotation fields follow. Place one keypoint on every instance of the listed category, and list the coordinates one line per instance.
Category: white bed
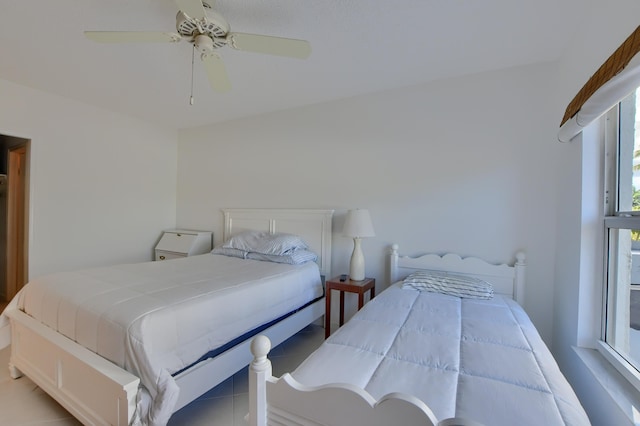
(154, 321)
(419, 358)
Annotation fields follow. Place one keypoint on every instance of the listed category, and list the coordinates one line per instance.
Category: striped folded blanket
(447, 283)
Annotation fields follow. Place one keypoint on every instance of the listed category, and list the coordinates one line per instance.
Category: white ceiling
(358, 47)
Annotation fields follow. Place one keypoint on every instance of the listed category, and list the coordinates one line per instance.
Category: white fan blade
(270, 45)
(216, 72)
(132, 37)
(192, 8)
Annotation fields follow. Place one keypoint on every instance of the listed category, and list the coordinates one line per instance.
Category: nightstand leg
(341, 308)
(360, 300)
(327, 314)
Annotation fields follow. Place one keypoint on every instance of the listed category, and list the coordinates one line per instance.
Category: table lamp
(357, 225)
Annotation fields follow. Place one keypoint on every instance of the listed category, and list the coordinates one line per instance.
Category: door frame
(17, 249)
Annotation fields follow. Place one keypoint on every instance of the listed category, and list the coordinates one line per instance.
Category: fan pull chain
(193, 52)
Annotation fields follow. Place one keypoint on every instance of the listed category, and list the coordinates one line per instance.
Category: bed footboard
(91, 388)
(274, 401)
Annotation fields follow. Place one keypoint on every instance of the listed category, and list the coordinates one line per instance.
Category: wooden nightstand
(359, 287)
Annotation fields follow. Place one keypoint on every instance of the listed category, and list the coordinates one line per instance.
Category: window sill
(622, 393)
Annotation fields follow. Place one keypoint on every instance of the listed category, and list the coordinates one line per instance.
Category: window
(621, 330)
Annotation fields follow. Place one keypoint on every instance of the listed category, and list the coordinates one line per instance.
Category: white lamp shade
(358, 224)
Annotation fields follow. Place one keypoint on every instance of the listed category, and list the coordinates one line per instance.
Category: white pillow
(262, 242)
(448, 283)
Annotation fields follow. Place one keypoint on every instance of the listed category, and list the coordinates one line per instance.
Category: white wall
(460, 165)
(102, 185)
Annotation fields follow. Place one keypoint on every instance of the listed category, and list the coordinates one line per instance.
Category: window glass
(622, 224)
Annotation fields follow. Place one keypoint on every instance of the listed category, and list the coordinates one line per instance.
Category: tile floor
(24, 403)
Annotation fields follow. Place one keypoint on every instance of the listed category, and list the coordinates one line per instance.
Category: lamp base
(356, 272)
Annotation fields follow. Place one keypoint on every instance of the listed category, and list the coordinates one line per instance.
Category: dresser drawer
(166, 255)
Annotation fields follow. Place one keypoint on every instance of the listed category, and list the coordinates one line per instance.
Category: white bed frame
(98, 392)
(285, 401)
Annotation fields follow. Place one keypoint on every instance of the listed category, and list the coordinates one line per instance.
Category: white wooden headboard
(313, 225)
(506, 280)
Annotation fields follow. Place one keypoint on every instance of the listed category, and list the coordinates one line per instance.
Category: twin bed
(131, 344)
(417, 354)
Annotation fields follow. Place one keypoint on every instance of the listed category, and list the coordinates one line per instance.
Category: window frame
(614, 219)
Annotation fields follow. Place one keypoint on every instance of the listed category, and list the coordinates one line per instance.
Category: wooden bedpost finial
(260, 347)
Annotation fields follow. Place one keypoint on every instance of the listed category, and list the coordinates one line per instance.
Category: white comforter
(154, 319)
(478, 359)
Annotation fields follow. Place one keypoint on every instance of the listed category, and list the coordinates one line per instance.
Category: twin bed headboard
(506, 280)
(313, 225)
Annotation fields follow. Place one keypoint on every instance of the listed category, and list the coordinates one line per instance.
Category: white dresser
(182, 243)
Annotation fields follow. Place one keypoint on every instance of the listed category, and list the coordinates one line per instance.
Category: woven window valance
(613, 81)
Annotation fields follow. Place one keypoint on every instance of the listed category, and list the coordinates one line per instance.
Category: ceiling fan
(197, 23)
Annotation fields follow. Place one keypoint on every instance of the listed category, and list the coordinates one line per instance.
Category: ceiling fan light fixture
(203, 43)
